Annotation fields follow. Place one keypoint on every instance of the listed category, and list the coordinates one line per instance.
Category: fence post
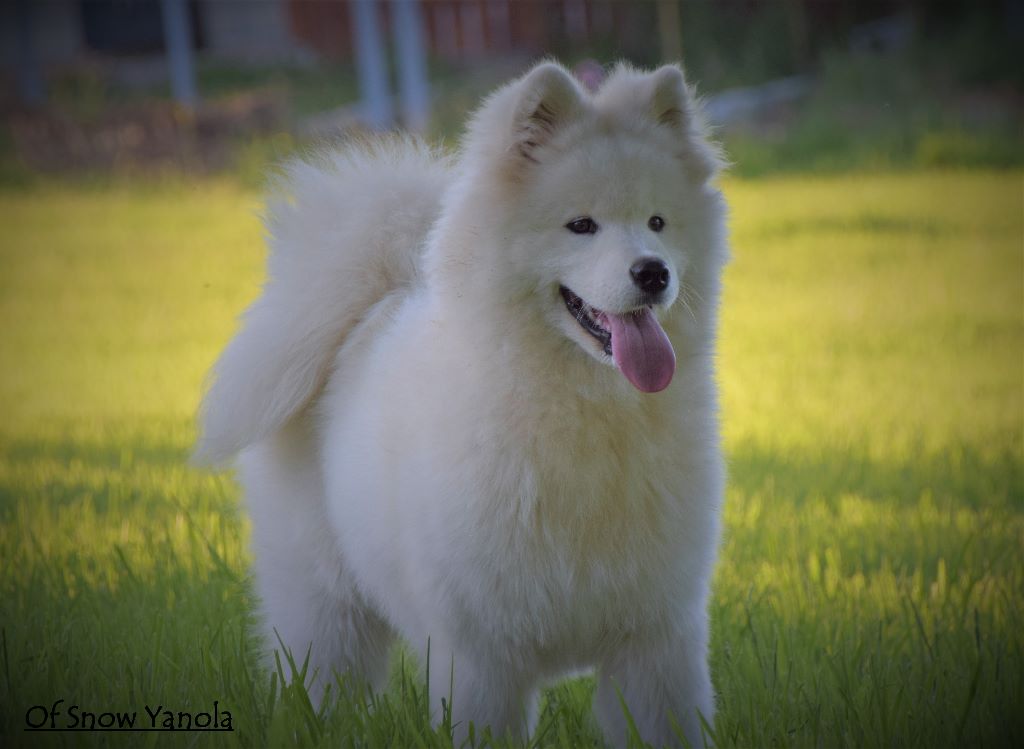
(371, 64)
(407, 27)
(31, 88)
(178, 41)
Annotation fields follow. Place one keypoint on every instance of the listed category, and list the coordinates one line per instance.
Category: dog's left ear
(672, 105)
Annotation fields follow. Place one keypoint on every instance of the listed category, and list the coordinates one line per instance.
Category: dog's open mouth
(634, 339)
(589, 318)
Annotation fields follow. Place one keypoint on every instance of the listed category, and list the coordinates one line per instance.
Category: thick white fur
(432, 447)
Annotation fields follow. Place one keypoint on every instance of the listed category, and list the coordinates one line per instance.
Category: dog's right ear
(549, 99)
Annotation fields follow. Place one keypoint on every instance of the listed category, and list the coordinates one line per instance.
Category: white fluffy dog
(475, 405)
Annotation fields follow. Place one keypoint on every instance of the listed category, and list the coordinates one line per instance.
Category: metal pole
(372, 65)
(407, 27)
(178, 40)
(29, 78)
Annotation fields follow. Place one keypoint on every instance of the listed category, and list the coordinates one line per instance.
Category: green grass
(871, 584)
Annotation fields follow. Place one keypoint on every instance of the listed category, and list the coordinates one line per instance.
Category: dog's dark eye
(582, 225)
(655, 223)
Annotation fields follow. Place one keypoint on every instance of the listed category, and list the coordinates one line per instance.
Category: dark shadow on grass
(109, 470)
(865, 223)
(118, 451)
(961, 473)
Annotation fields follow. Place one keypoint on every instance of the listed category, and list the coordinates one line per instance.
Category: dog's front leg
(662, 681)
(488, 694)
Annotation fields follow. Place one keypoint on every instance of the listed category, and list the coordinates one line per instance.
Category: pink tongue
(641, 350)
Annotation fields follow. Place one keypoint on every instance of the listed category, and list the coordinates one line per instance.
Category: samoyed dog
(475, 406)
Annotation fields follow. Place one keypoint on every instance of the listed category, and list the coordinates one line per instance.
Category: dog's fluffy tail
(345, 231)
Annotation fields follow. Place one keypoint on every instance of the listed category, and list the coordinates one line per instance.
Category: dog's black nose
(650, 275)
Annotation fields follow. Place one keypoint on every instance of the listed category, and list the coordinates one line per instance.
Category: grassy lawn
(871, 584)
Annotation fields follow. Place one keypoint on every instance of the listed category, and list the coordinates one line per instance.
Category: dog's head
(603, 209)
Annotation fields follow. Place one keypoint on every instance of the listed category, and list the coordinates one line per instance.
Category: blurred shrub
(916, 107)
(959, 148)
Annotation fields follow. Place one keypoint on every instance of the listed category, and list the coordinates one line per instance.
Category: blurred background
(204, 86)
(871, 587)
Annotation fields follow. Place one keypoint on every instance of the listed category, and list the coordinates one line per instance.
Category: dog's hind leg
(309, 601)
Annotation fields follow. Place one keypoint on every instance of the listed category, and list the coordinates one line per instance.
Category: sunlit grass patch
(872, 368)
(870, 588)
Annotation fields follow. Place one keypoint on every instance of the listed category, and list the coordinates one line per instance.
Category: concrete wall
(249, 31)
